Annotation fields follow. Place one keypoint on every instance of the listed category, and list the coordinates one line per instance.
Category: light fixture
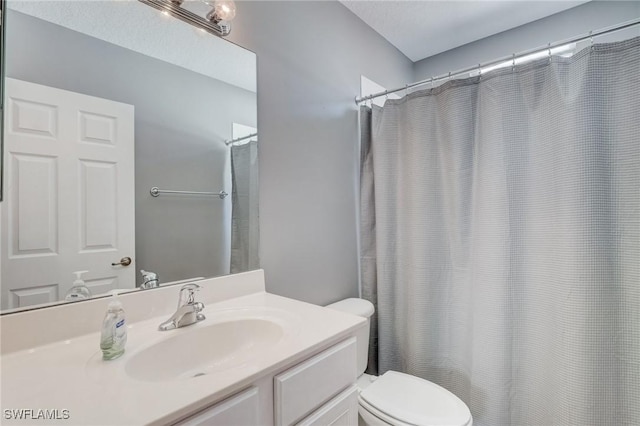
(217, 20)
(223, 10)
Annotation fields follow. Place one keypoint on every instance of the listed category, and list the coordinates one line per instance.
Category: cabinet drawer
(238, 410)
(340, 411)
(301, 389)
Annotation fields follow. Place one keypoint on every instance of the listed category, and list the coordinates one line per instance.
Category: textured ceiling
(420, 29)
(143, 29)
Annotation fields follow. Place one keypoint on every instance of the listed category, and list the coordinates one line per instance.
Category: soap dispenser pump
(79, 290)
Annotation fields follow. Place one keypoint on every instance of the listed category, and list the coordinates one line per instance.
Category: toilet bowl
(396, 398)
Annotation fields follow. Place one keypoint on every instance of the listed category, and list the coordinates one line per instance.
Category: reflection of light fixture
(223, 10)
(217, 21)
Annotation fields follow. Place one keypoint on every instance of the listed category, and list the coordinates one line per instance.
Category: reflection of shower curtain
(501, 238)
(244, 217)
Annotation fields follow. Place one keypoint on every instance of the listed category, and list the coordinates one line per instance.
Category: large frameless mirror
(129, 145)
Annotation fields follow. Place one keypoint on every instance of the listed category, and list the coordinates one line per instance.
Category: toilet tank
(362, 308)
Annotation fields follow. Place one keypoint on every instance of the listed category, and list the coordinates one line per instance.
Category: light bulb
(223, 10)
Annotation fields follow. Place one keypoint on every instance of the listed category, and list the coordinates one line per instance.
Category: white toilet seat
(404, 400)
(374, 417)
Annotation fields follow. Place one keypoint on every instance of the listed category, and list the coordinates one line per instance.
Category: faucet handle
(188, 294)
(148, 275)
(149, 279)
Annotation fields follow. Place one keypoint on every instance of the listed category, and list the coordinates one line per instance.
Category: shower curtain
(500, 238)
(245, 237)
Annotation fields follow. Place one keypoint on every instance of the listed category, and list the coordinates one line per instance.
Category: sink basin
(205, 349)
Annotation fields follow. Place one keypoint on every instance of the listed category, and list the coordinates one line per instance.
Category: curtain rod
(240, 139)
(589, 36)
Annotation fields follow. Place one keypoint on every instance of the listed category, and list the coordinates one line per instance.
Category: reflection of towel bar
(155, 191)
(252, 135)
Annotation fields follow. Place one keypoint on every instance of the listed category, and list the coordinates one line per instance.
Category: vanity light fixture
(217, 22)
(223, 10)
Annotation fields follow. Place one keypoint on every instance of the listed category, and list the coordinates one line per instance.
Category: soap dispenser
(79, 290)
(114, 331)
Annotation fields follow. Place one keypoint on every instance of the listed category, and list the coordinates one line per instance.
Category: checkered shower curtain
(500, 235)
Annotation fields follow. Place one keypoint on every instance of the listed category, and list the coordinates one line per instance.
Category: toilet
(395, 398)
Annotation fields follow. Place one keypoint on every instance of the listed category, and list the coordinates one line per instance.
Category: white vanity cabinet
(340, 411)
(319, 390)
(307, 386)
(258, 360)
(239, 410)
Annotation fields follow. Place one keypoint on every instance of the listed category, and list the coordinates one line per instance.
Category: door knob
(125, 261)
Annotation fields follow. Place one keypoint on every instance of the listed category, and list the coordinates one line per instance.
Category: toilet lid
(415, 401)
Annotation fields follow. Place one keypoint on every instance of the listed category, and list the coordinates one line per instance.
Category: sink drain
(199, 374)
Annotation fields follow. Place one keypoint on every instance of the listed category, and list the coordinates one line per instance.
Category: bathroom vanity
(257, 359)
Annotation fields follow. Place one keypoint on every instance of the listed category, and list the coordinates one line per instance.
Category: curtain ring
(549, 46)
(479, 72)
(591, 38)
(432, 83)
(406, 90)
(449, 78)
(513, 63)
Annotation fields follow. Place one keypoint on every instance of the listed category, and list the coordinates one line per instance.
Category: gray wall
(310, 58)
(572, 22)
(181, 121)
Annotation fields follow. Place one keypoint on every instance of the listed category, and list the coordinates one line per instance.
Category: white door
(69, 193)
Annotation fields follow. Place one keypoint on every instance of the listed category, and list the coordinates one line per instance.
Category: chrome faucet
(188, 312)
(149, 279)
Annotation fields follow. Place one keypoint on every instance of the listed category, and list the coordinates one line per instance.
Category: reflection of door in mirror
(70, 193)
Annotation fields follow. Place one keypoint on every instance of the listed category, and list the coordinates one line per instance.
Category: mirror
(105, 100)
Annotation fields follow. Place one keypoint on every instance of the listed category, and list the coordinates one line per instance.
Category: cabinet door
(340, 411)
(301, 389)
(238, 410)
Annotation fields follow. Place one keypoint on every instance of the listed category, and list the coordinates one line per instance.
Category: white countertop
(70, 374)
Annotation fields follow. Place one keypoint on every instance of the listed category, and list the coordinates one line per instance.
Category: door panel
(33, 206)
(98, 206)
(34, 295)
